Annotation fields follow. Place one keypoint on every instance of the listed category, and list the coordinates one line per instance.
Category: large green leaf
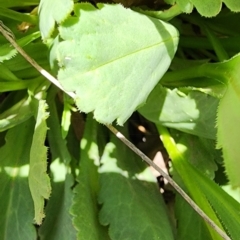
(51, 12)
(132, 204)
(17, 210)
(112, 58)
(85, 207)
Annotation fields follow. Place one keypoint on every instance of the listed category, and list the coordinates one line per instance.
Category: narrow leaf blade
(39, 182)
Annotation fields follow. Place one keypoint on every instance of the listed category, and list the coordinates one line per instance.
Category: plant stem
(167, 140)
(174, 154)
(118, 135)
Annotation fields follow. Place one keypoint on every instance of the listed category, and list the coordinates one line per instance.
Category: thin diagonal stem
(9, 37)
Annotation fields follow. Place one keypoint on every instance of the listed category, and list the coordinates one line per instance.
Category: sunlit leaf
(207, 8)
(52, 12)
(7, 51)
(112, 73)
(192, 112)
(39, 182)
(228, 118)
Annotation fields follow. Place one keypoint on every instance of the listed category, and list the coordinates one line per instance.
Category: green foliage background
(160, 66)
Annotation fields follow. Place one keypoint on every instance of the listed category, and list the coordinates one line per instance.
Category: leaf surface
(192, 112)
(132, 204)
(204, 191)
(200, 152)
(228, 118)
(112, 73)
(39, 182)
(189, 222)
(7, 51)
(207, 8)
(17, 210)
(17, 110)
(57, 209)
(85, 207)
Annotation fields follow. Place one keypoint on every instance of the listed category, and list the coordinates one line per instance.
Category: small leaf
(51, 12)
(39, 182)
(112, 73)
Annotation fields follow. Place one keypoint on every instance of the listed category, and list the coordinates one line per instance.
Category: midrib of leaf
(127, 55)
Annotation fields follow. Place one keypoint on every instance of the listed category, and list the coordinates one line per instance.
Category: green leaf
(207, 8)
(17, 110)
(200, 152)
(51, 12)
(192, 112)
(112, 73)
(85, 207)
(206, 193)
(7, 51)
(132, 204)
(228, 118)
(17, 210)
(57, 144)
(39, 182)
(18, 3)
(57, 210)
(189, 222)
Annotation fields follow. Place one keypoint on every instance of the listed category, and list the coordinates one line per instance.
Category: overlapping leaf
(132, 205)
(193, 113)
(228, 118)
(52, 12)
(207, 8)
(112, 73)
